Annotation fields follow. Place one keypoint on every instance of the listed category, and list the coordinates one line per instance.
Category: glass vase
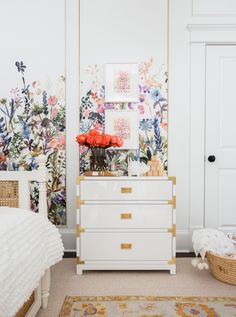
(98, 159)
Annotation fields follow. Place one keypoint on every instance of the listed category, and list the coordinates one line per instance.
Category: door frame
(200, 37)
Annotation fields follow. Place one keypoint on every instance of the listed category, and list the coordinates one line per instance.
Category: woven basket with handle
(222, 268)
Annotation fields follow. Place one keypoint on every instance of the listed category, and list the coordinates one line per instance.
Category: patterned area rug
(148, 306)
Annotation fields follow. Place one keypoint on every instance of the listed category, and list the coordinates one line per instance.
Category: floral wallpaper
(32, 122)
(152, 109)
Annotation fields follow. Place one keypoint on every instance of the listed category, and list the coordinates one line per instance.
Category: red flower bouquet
(95, 139)
(98, 142)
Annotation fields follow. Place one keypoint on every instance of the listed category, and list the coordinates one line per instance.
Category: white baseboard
(68, 239)
(183, 241)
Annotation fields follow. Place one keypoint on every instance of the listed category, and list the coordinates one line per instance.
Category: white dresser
(126, 223)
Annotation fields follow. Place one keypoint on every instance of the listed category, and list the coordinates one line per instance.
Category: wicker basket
(222, 268)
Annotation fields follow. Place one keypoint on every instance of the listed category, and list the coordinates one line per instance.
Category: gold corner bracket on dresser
(79, 179)
(172, 202)
(173, 179)
(79, 202)
(173, 230)
(79, 230)
(172, 261)
(79, 261)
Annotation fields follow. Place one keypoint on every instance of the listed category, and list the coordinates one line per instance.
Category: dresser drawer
(126, 246)
(126, 190)
(125, 216)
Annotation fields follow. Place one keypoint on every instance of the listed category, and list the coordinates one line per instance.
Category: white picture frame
(125, 124)
(121, 82)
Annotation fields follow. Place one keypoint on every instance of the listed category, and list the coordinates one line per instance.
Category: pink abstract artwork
(122, 82)
(122, 128)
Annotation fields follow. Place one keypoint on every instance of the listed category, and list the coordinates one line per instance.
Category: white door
(220, 152)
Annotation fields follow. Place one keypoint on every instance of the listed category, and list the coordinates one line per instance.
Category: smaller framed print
(121, 83)
(125, 124)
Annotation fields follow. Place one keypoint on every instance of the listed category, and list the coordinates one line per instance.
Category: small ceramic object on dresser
(137, 168)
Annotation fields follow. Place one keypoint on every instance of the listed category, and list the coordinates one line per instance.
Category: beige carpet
(187, 282)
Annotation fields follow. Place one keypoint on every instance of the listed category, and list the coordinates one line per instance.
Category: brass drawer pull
(126, 216)
(126, 190)
(126, 246)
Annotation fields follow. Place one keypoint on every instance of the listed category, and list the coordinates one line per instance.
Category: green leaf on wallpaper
(37, 109)
(60, 118)
(131, 155)
(143, 154)
(15, 145)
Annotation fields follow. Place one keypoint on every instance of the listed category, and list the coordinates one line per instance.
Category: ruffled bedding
(29, 245)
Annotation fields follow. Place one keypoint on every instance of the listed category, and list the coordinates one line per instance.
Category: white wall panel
(121, 31)
(214, 7)
(179, 112)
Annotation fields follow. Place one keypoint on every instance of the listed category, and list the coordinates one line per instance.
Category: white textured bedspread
(29, 245)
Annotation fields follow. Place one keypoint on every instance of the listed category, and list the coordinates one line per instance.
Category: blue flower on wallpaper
(32, 162)
(84, 125)
(146, 125)
(20, 67)
(156, 94)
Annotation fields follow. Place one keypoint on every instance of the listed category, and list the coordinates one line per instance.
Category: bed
(29, 244)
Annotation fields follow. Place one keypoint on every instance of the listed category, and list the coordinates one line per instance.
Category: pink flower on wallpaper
(52, 143)
(35, 84)
(61, 140)
(17, 94)
(97, 126)
(164, 125)
(52, 100)
(36, 88)
(100, 108)
(83, 149)
(141, 109)
(54, 112)
(122, 82)
(122, 128)
(86, 113)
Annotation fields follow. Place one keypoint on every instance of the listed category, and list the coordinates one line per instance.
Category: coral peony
(81, 138)
(95, 139)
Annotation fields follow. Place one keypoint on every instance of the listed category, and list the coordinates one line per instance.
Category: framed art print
(121, 83)
(125, 124)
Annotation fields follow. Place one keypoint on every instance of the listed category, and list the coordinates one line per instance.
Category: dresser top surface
(125, 178)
